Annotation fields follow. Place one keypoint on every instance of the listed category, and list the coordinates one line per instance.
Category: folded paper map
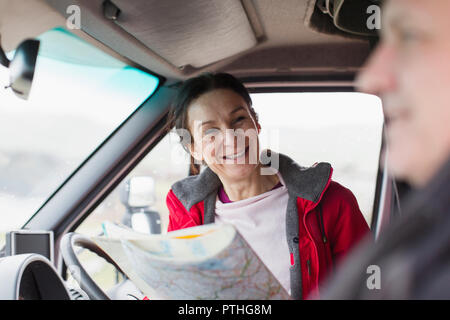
(205, 262)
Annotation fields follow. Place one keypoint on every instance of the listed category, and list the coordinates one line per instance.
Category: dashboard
(30, 277)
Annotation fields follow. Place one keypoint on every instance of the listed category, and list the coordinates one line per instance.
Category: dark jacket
(323, 220)
(412, 254)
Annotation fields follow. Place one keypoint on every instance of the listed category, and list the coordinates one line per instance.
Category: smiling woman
(267, 196)
(79, 96)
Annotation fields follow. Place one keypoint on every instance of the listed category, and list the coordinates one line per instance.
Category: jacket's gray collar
(305, 182)
(308, 183)
(194, 189)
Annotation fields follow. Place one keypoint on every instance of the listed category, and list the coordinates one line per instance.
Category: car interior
(272, 46)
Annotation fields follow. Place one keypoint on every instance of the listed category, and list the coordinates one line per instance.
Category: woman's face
(225, 135)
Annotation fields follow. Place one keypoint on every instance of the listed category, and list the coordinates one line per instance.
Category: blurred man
(410, 72)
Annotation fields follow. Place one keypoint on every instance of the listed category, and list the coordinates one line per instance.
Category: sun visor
(348, 18)
(183, 32)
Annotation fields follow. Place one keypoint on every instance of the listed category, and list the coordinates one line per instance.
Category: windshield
(78, 97)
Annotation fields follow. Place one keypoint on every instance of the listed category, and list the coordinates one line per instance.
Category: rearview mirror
(352, 16)
(21, 67)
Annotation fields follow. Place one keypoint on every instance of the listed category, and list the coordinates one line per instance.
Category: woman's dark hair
(192, 89)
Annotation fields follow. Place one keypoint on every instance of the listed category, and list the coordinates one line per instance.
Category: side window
(139, 201)
(344, 129)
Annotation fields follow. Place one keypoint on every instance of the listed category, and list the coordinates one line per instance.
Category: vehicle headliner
(285, 47)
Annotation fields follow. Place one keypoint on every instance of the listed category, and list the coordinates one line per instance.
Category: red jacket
(326, 225)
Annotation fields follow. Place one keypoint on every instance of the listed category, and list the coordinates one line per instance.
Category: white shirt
(261, 220)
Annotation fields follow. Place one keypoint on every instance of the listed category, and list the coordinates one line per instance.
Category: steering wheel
(68, 242)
